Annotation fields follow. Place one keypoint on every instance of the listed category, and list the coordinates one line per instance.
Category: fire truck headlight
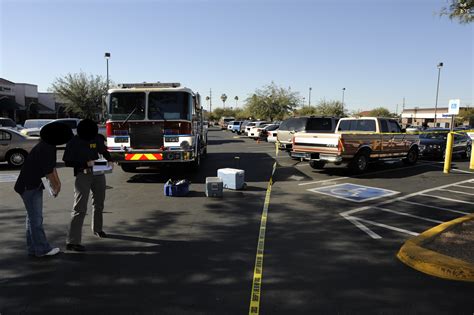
(185, 145)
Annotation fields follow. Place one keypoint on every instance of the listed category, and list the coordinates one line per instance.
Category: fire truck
(155, 124)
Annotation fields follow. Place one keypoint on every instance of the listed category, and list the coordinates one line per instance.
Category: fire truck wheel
(128, 168)
(194, 165)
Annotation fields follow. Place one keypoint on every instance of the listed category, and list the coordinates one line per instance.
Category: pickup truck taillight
(340, 145)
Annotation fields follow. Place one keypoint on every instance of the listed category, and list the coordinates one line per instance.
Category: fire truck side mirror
(197, 102)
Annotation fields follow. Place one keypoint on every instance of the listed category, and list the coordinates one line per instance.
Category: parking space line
(408, 215)
(389, 227)
(357, 221)
(470, 187)
(322, 181)
(434, 207)
(354, 221)
(458, 192)
(370, 173)
(447, 199)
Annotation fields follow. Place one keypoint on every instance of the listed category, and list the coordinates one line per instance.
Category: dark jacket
(78, 152)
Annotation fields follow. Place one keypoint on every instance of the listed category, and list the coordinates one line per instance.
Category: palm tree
(236, 100)
(223, 98)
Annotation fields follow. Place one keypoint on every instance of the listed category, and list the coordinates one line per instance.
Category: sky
(380, 51)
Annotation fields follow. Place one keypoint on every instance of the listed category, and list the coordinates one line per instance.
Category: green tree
(219, 112)
(306, 111)
(82, 93)
(466, 116)
(331, 108)
(461, 10)
(381, 112)
(271, 102)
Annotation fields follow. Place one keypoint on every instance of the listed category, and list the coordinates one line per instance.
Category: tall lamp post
(440, 65)
(309, 96)
(343, 90)
(107, 57)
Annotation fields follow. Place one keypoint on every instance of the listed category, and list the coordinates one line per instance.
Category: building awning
(7, 103)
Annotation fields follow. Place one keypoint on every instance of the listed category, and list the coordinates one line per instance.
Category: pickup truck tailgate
(316, 142)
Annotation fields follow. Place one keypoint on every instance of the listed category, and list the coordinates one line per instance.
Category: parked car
(14, 147)
(433, 144)
(32, 127)
(269, 131)
(71, 122)
(234, 126)
(303, 124)
(7, 123)
(224, 122)
(254, 132)
(252, 124)
(413, 129)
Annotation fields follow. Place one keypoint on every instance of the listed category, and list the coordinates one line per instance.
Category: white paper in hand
(47, 186)
(101, 166)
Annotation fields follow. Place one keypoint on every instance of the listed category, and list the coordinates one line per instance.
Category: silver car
(14, 147)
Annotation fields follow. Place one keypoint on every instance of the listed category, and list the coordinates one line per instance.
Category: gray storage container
(232, 178)
(214, 187)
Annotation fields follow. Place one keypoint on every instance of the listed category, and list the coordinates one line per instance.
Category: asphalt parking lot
(329, 244)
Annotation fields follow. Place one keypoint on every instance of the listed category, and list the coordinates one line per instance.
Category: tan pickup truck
(357, 142)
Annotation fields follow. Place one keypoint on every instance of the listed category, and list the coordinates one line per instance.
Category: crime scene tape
(255, 296)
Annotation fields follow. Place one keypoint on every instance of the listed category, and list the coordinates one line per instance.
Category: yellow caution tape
(258, 269)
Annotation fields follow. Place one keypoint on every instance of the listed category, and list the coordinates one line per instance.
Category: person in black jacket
(80, 153)
(41, 163)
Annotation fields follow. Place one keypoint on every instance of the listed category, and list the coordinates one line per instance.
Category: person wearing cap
(41, 162)
(80, 153)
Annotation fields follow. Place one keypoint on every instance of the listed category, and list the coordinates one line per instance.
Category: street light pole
(107, 57)
(440, 65)
(309, 98)
(343, 89)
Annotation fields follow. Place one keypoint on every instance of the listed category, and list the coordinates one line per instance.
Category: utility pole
(440, 65)
(403, 105)
(210, 100)
(309, 98)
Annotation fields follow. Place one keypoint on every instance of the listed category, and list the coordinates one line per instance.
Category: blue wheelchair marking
(353, 192)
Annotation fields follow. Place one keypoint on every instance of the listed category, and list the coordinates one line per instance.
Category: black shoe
(75, 247)
(100, 234)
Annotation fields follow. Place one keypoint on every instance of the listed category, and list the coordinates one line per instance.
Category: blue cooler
(232, 178)
(176, 189)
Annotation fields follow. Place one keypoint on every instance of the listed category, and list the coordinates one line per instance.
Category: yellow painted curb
(427, 261)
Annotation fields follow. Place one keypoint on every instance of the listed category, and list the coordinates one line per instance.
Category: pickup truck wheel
(412, 156)
(317, 165)
(128, 168)
(360, 163)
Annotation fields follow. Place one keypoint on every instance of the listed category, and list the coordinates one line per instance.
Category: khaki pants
(83, 185)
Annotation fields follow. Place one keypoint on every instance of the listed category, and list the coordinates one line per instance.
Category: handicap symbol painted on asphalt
(353, 192)
(8, 178)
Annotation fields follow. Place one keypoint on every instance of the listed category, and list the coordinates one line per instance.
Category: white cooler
(232, 178)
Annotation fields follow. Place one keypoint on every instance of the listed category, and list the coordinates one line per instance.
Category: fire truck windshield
(169, 105)
(123, 103)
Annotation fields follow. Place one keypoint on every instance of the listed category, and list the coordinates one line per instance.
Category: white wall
(23, 90)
